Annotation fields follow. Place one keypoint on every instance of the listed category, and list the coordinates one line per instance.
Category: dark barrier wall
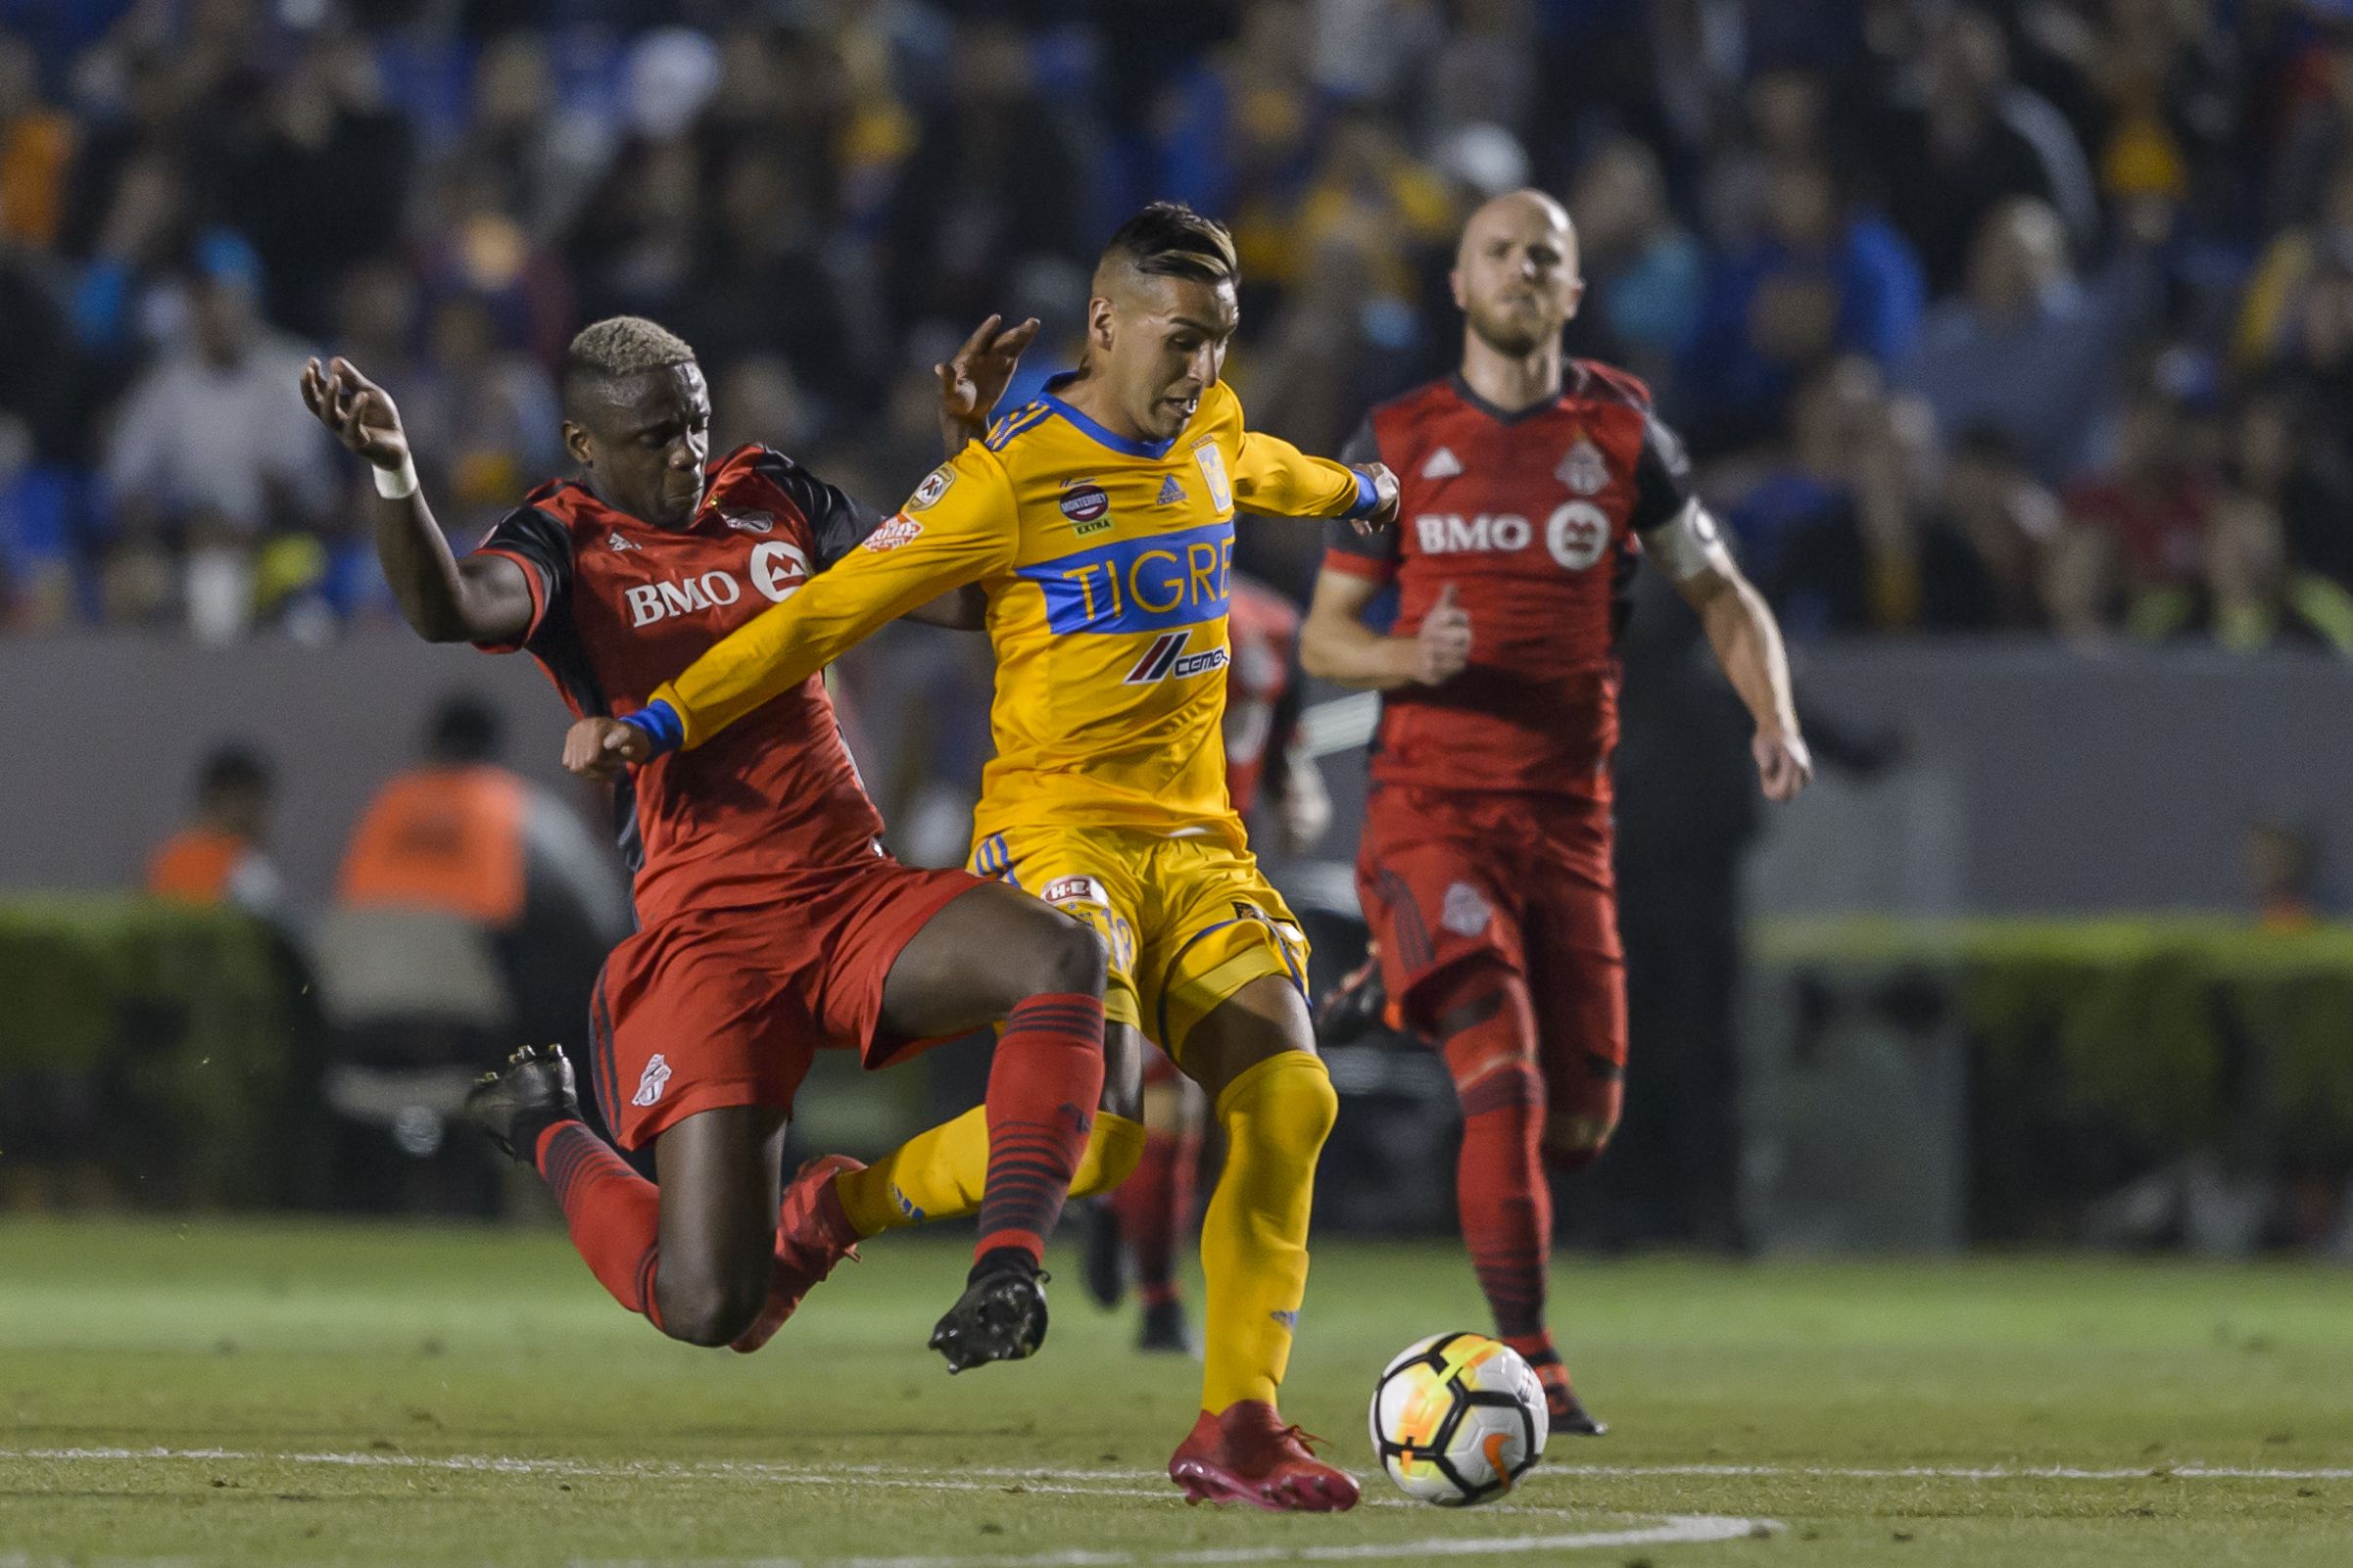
(112, 729)
(2042, 780)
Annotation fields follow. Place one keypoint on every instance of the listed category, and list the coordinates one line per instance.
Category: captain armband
(1689, 545)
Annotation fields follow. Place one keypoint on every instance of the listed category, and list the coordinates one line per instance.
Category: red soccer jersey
(1532, 517)
(619, 607)
(1263, 630)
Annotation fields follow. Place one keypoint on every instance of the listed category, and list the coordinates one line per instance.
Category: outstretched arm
(481, 598)
(965, 533)
(1273, 476)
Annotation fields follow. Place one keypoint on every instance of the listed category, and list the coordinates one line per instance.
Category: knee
(710, 1307)
(1287, 1102)
(1060, 954)
(1573, 1141)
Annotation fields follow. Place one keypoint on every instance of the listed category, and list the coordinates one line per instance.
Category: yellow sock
(1253, 1238)
(939, 1173)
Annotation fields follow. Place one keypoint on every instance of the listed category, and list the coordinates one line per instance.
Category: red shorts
(727, 1007)
(1450, 877)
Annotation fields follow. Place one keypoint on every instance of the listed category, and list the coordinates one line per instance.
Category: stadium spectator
(36, 145)
(2249, 596)
(222, 856)
(1823, 280)
(2152, 498)
(2026, 349)
(2277, 457)
(204, 453)
(1643, 268)
(819, 190)
(1971, 139)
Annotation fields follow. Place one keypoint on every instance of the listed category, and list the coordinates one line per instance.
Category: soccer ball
(1458, 1418)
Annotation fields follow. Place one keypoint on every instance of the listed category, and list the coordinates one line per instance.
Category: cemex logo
(1166, 659)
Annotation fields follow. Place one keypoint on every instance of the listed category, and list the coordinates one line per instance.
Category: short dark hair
(617, 347)
(231, 769)
(465, 728)
(1169, 239)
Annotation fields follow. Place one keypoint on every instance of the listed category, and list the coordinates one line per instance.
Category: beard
(1515, 333)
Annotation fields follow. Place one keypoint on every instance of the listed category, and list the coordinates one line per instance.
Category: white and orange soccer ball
(1457, 1419)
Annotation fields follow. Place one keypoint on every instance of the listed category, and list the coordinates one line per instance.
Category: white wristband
(396, 484)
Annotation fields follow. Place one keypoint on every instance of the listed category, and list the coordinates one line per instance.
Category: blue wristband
(1367, 498)
(658, 723)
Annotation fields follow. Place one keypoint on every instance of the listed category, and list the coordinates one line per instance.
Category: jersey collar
(1513, 416)
(1111, 438)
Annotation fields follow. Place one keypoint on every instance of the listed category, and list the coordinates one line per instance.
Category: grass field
(263, 1395)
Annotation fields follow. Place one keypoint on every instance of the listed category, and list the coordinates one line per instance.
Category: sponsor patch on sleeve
(893, 534)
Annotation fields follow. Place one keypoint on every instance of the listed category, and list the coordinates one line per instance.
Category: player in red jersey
(770, 922)
(1531, 487)
(1150, 1214)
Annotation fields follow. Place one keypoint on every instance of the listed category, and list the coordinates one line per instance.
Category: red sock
(613, 1213)
(1042, 1089)
(1489, 1031)
(1154, 1204)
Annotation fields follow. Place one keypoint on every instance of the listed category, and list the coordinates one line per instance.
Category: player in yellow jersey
(1098, 521)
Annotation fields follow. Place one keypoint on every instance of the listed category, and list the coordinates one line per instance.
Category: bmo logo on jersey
(1576, 535)
(776, 571)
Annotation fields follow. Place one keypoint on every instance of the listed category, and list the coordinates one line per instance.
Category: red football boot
(1567, 1412)
(812, 1235)
(1249, 1455)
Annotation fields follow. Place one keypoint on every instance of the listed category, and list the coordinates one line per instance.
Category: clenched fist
(1442, 643)
(600, 748)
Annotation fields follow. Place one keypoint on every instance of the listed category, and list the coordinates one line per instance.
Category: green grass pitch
(385, 1396)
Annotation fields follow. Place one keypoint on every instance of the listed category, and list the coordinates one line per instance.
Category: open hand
(1442, 643)
(598, 748)
(1783, 764)
(1384, 488)
(971, 383)
(356, 411)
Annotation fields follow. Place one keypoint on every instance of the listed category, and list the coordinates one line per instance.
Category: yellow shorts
(1187, 922)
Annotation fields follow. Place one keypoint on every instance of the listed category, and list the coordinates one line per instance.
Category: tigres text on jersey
(1107, 564)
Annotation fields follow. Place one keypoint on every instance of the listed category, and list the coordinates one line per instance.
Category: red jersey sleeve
(1662, 478)
(543, 547)
(838, 523)
(1366, 556)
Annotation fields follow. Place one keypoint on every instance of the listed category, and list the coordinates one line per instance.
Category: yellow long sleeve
(965, 533)
(1272, 477)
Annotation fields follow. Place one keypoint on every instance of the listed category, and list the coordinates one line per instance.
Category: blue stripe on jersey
(1138, 585)
(1016, 423)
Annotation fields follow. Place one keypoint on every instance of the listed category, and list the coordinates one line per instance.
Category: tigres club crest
(1584, 470)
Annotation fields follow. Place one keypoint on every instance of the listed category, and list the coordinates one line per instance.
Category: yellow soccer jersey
(1106, 562)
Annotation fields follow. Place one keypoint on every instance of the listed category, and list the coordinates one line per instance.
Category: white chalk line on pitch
(982, 1477)
(975, 1478)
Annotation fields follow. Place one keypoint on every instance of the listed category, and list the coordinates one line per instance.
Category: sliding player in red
(770, 922)
(1484, 866)
(1150, 1217)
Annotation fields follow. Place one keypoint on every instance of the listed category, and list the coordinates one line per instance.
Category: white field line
(975, 1478)
(1035, 1478)
(1935, 1472)
(1674, 1530)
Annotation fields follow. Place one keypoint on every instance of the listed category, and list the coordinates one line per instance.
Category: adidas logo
(1441, 465)
(617, 542)
(1170, 492)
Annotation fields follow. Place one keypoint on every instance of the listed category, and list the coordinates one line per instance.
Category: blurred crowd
(2024, 315)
